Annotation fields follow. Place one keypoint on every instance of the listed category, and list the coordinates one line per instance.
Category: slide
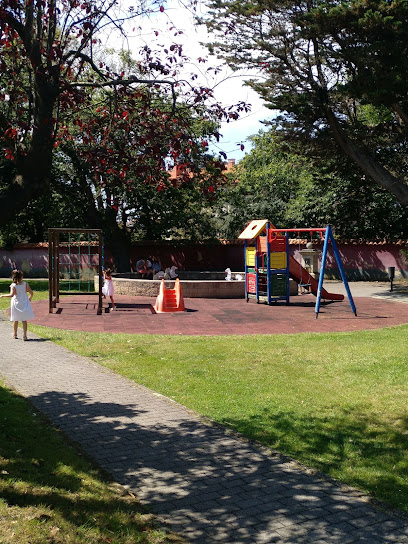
(169, 300)
(301, 275)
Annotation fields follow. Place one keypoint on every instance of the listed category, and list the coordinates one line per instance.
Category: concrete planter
(129, 284)
(189, 288)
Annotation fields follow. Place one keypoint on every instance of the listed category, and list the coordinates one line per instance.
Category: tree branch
(402, 114)
(373, 169)
(125, 82)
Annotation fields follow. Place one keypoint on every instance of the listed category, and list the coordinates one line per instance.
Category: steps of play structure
(169, 300)
(301, 275)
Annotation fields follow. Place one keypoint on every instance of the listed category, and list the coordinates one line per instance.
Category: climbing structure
(268, 265)
(169, 300)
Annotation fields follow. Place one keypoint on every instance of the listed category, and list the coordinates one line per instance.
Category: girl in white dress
(20, 305)
(107, 289)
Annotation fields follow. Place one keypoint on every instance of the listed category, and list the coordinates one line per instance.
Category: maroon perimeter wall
(361, 261)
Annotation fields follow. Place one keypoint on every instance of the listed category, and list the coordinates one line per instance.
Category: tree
(51, 59)
(334, 69)
(119, 126)
(111, 164)
(262, 186)
(63, 204)
(119, 155)
(278, 182)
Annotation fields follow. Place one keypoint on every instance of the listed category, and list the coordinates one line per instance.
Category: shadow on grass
(41, 469)
(183, 466)
(356, 448)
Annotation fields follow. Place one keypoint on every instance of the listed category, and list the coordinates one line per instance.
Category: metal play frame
(54, 245)
(327, 237)
(268, 266)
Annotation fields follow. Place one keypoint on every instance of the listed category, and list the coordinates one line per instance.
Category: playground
(376, 306)
(323, 399)
(268, 267)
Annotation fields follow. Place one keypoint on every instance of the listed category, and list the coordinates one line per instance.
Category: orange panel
(262, 244)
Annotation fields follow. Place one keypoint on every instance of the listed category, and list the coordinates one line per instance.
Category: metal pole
(268, 265)
(321, 276)
(246, 270)
(341, 269)
(287, 268)
(56, 268)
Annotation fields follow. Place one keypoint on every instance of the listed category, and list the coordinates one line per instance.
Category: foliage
(106, 175)
(262, 186)
(124, 158)
(59, 94)
(104, 148)
(336, 72)
(278, 182)
(62, 205)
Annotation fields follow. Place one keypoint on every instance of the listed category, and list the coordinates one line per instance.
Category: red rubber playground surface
(221, 316)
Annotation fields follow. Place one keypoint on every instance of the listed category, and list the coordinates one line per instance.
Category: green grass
(336, 402)
(51, 493)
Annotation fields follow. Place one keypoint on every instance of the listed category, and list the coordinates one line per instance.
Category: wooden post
(50, 269)
(100, 273)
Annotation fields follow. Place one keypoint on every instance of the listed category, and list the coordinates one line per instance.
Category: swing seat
(304, 288)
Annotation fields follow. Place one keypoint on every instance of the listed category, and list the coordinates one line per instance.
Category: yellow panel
(253, 229)
(277, 260)
(250, 256)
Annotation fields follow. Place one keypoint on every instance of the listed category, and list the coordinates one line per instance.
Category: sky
(229, 88)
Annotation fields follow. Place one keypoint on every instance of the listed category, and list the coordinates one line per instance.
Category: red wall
(361, 261)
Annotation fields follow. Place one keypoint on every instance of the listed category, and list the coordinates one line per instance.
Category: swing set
(74, 256)
(268, 265)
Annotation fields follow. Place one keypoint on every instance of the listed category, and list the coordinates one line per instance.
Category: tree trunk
(34, 168)
(370, 167)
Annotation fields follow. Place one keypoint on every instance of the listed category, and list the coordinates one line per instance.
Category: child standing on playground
(107, 289)
(20, 304)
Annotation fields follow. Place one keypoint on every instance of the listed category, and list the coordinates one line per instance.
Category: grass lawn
(50, 493)
(336, 402)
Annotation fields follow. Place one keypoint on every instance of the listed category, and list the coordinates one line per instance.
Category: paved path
(206, 484)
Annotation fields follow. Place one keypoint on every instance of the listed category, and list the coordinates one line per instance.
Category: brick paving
(201, 481)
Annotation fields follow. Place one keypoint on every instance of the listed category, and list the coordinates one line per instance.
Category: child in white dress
(20, 304)
(107, 288)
